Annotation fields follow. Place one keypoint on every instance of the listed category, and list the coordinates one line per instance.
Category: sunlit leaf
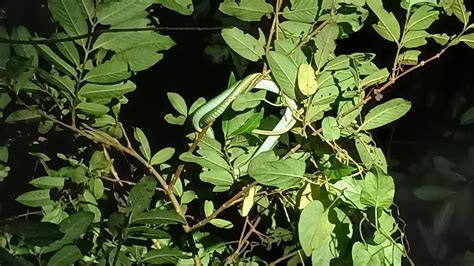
(22, 116)
(243, 43)
(314, 228)
(307, 83)
(109, 72)
(302, 10)
(35, 198)
(246, 10)
(388, 26)
(162, 156)
(67, 255)
(178, 103)
(378, 190)
(144, 144)
(158, 217)
(267, 170)
(92, 108)
(70, 16)
(422, 18)
(284, 71)
(183, 7)
(385, 113)
(112, 13)
(165, 255)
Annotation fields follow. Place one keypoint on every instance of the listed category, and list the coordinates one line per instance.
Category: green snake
(212, 109)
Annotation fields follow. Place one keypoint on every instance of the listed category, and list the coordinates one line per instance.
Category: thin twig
(232, 201)
(287, 256)
(95, 33)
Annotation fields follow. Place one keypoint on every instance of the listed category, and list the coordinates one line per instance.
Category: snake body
(211, 110)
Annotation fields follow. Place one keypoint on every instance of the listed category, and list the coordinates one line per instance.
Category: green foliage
(323, 194)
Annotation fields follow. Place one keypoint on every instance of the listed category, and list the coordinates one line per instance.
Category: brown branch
(287, 256)
(193, 147)
(232, 201)
(243, 240)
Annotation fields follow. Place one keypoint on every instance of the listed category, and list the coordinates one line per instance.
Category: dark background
(439, 91)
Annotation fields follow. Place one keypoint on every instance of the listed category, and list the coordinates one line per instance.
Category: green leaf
(92, 108)
(330, 128)
(22, 116)
(433, 192)
(121, 41)
(102, 91)
(248, 100)
(35, 198)
(217, 177)
(88, 8)
(378, 190)
(4, 154)
(162, 156)
(178, 103)
(173, 120)
(54, 59)
(144, 144)
(112, 13)
(250, 124)
(208, 208)
(246, 10)
(109, 72)
(302, 10)
(68, 50)
(468, 117)
(183, 7)
(196, 104)
(362, 254)
(244, 44)
(350, 188)
(96, 186)
(441, 39)
(422, 18)
(98, 161)
(307, 83)
(87, 202)
(158, 217)
(72, 227)
(165, 255)
(140, 58)
(314, 228)
(267, 170)
(221, 223)
(5, 49)
(385, 113)
(48, 182)
(67, 255)
(458, 8)
(388, 26)
(338, 63)
(325, 43)
(376, 77)
(210, 160)
(409, 58)
(70, 16)
(34, 233)
(414, 39)
(25, 50)
(369, 154)
(63, 83)
(140, 195)
(284, 71)
(468, 39)
(148, 232)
